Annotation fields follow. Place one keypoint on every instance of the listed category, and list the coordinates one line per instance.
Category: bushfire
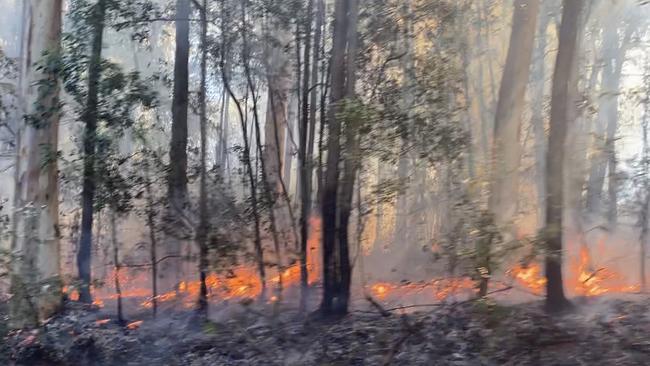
(243, 283)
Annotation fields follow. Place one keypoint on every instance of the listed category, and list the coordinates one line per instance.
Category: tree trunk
(506, 150)
(305, 179)
(177, 174)
(351, 164)
(90, 116)
(537, 120)
(116, 267)
(604, 161)
(202, 231)
(278, 74)
(35, 277)
(246, 157)
(566, 57)
(153, 242)
(329, 301)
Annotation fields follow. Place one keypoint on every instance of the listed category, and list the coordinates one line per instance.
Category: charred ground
(599, 331)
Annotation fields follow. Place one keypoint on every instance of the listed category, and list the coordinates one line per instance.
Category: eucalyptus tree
(35, 276)
(104, 97)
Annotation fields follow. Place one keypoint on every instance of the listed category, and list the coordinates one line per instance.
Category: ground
(601, 331)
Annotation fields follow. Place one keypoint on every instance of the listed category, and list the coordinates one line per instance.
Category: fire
(134, 325)
(530, 276)
(439, 289)
(380, 290)
(240, 283)
(583, 279)
(592, 281)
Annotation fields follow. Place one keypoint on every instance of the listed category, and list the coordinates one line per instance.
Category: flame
(593, 281)
(439, 289)
(583, 279)
(529, 276)
(134, 325)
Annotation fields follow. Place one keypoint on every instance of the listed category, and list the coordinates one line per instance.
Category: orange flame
(583, 278)
(134, 325)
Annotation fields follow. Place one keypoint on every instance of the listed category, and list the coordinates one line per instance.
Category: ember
(134, 325)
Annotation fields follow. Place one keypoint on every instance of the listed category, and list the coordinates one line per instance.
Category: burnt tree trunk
(202, 231)
(177, 173)
(329, 302)
(561, 92)
(305, 161)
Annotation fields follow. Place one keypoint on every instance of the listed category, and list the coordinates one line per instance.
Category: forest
(324, 182)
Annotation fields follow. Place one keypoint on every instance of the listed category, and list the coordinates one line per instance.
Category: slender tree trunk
(202, 232)
(566, 57)
(277, 124)
(305, 179)
(116, 267)
(153, 242)
(604, 161)
(35, 274)
(90, 116)
(246, 156)
(266, 182)
(645, 163)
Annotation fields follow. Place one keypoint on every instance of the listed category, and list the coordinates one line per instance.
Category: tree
(202, 230)
(35, 277)
(177, 174)
(303, 159)
(277, 124)
(559, 122)
(90, 117)
(614, 52)
(336, 261)
(506, 150)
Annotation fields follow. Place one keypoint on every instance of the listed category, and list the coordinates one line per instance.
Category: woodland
(324, 182)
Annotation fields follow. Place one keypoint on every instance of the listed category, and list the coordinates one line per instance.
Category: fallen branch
(376, 305)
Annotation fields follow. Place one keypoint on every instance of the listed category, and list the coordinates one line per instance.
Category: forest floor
(601, 331)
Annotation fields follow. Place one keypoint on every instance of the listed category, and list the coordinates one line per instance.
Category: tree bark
(506, 150)
(561, 92)
(202, 231)
(90, 117)
(177, 173)
(116, 267)
(331, 179)
(35, 277)
(305, 178)
(351, 164)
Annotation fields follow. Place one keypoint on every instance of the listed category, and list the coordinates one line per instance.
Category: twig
(376, 305)
(149, 264)
(592, 275)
